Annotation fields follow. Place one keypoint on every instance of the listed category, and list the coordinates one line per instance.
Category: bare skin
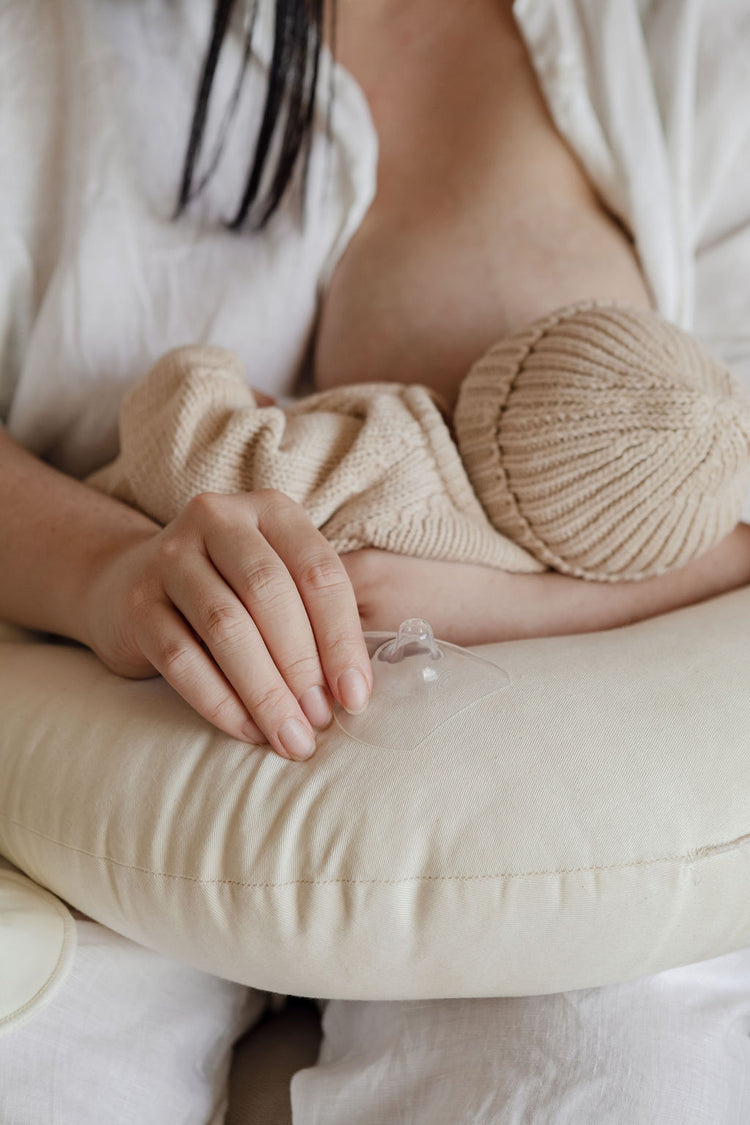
(240, 603)
(483, 220)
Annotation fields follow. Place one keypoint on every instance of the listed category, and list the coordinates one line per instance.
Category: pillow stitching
(692, 856)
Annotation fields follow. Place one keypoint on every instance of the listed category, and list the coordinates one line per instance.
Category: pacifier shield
(419, 684)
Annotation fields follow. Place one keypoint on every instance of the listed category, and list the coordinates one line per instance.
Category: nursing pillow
(587, 824)
(37, 946)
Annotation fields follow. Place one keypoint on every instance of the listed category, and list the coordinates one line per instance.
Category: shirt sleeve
(721, 187)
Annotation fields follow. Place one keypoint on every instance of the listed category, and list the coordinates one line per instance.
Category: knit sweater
(373, 465)
(601, 441)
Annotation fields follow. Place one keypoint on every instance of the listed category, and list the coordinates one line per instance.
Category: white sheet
(667, 1049)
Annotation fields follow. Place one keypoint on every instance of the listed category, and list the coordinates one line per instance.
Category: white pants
(130, 1038)
(134, 1038)
(669, 1049)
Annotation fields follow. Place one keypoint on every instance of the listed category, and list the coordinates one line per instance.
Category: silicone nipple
(418, 684)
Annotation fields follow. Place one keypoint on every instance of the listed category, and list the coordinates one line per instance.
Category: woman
(239, 603)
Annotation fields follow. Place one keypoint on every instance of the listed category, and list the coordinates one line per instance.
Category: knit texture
(607, 442)
(601, 441)
(373, 465)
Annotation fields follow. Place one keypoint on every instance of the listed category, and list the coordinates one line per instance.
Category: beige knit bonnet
(606, 441)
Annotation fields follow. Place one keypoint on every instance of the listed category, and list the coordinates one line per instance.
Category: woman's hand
(245, 609)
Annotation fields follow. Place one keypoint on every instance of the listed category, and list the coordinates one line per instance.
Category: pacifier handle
(414, 637)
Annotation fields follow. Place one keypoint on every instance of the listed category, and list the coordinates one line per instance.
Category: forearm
(475, 605)
(56, 533)
(552, 604)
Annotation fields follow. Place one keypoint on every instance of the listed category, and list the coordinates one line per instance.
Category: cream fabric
(37, 946)
(130, 1038)
(669, 1048)
(589, 824)
(373, 465)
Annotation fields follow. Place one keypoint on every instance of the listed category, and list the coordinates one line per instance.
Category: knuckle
(267, 701)
(175, 658)
(341, 652)
(265, 581)
(323, 574)
(224, 713)
(205, 507)
(303, 668)
(272, 497)
(169, 551)
(221, 624)
(272, 506)
(140, 599)
(202, 502)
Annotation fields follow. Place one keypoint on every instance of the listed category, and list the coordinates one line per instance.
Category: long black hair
(287, 114)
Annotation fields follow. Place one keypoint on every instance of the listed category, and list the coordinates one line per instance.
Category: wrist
(90, 589)
(57, 535)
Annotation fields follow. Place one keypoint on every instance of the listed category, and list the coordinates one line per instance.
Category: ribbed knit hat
(606, 441)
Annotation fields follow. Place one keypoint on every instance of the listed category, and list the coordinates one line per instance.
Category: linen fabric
(670, 1047)
(96, 278)
(130, 1036)
(585, 825)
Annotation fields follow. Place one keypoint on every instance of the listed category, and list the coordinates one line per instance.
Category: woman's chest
(483, 219)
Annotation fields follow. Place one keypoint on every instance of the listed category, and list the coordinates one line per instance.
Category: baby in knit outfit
(600, 441)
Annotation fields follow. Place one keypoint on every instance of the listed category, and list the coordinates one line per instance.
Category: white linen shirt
(97, 279)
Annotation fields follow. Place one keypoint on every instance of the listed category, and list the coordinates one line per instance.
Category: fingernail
(296, 740)
(353, 691)
(316, 706)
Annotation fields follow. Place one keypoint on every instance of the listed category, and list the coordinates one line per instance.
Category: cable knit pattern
(373, 465)
(607, 442)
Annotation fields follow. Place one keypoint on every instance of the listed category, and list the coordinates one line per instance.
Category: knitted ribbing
(373, 465)
(606, 441)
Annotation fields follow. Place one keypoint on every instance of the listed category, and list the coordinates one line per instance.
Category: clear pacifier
(418, 684)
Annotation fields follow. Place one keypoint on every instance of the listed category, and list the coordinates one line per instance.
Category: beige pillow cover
(587, 825)
(37, 947)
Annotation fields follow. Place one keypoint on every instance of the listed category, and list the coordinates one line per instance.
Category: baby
(600, 441)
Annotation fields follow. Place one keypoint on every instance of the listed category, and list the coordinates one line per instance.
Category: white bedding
(669, 1049)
